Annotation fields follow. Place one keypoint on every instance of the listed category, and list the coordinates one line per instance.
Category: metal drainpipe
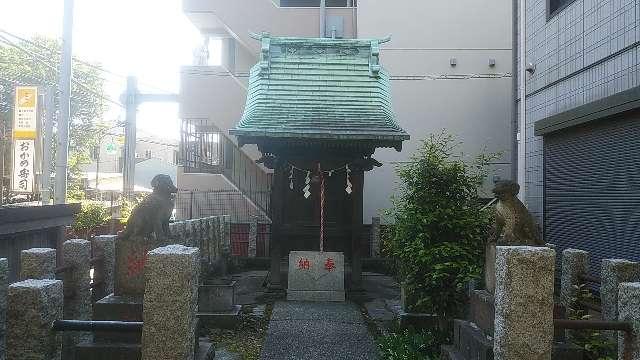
(323, 18)
(514, 89)
(522, 148)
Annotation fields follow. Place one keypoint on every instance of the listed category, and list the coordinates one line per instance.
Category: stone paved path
(306, 330)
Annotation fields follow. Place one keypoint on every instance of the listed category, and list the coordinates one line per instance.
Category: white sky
(149, 39)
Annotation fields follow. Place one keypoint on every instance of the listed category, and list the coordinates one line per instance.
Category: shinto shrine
(317, 109)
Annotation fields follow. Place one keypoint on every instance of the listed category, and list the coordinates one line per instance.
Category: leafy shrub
(440, 228)
(595, 344)
(412, 345)
(90, 217)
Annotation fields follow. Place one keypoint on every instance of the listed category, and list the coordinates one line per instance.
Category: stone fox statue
(153, 213)
(514, 224)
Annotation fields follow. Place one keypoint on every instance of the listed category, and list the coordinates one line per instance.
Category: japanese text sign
(25, 117)
(23, 159)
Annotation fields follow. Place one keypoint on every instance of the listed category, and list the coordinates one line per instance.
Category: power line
(45, 63)
(88, 64)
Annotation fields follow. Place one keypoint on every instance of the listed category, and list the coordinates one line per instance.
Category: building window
(555, 6)
(147, 154)
(316, 3)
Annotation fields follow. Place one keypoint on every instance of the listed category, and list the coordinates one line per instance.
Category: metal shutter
(592, 189)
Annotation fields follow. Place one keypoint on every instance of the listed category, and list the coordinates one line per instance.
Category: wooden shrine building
(317, 109)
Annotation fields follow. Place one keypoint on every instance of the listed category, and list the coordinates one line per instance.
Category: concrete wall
(572, 52)
(425, 36)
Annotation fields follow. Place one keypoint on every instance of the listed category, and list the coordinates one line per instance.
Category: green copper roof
(332, 89)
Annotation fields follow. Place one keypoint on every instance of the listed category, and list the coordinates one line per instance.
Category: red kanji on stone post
(329, 265)
(304, 264)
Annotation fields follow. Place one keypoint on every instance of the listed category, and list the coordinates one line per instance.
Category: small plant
(595, 344)
(410, 344)
(440, 228)
(91, 216)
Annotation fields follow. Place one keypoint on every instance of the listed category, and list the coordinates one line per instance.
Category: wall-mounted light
(453, 61)
(492, 62)
(531, 68)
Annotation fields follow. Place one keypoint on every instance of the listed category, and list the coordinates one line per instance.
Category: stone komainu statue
(153, 213)
(514, 226)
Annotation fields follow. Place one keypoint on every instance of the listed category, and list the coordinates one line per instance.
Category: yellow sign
(25, 119)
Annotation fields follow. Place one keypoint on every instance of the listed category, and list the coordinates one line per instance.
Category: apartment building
(582, 123)
(450, 64)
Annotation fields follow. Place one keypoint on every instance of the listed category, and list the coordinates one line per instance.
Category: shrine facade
(317, 109)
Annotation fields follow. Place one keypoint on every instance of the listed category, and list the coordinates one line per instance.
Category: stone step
(450, 353)
(118, 308)
(470, 341)
(108, 351)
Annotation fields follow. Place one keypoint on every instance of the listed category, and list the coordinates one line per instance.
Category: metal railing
(237, 205)
(205, 149)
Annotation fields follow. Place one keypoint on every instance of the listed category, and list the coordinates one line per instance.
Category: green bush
(411, 345)
(90, 217)
(440, 228)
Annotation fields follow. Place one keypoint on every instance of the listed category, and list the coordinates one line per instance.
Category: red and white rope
(321, 208)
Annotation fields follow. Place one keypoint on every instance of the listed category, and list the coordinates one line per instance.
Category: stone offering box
(217, 305)
(316, 276)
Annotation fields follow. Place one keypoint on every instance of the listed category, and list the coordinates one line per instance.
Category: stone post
(629, 310)
(4, 285)
(226, 235)
(32, 306)
(77, 294)
(38, 263)
(253, 237)
(524, 303)
(614, 272)
(170, 302)
(574, 264)
(103, 246)
(375, 237)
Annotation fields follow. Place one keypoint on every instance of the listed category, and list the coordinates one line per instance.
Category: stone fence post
(76, 253)
(226, 235)
(524, 328)
(104, 247)
(38, 263)
(253, 237)
(170, 302)
(614, 272)
(629, 310)
(574, 264)
(32, 306)
(375, 237)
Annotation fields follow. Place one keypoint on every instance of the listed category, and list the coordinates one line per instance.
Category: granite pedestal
(316, 276)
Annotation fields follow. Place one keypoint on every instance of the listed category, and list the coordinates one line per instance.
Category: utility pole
(49, 110)
(132, 98)
(129, 167)
(64, 86)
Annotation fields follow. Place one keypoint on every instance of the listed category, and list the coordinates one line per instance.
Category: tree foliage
(440, 228)
(90, 218)
(37, 66)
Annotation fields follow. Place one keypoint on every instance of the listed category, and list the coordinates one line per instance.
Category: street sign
(111, 148)
(25, 112)
(23, 159)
